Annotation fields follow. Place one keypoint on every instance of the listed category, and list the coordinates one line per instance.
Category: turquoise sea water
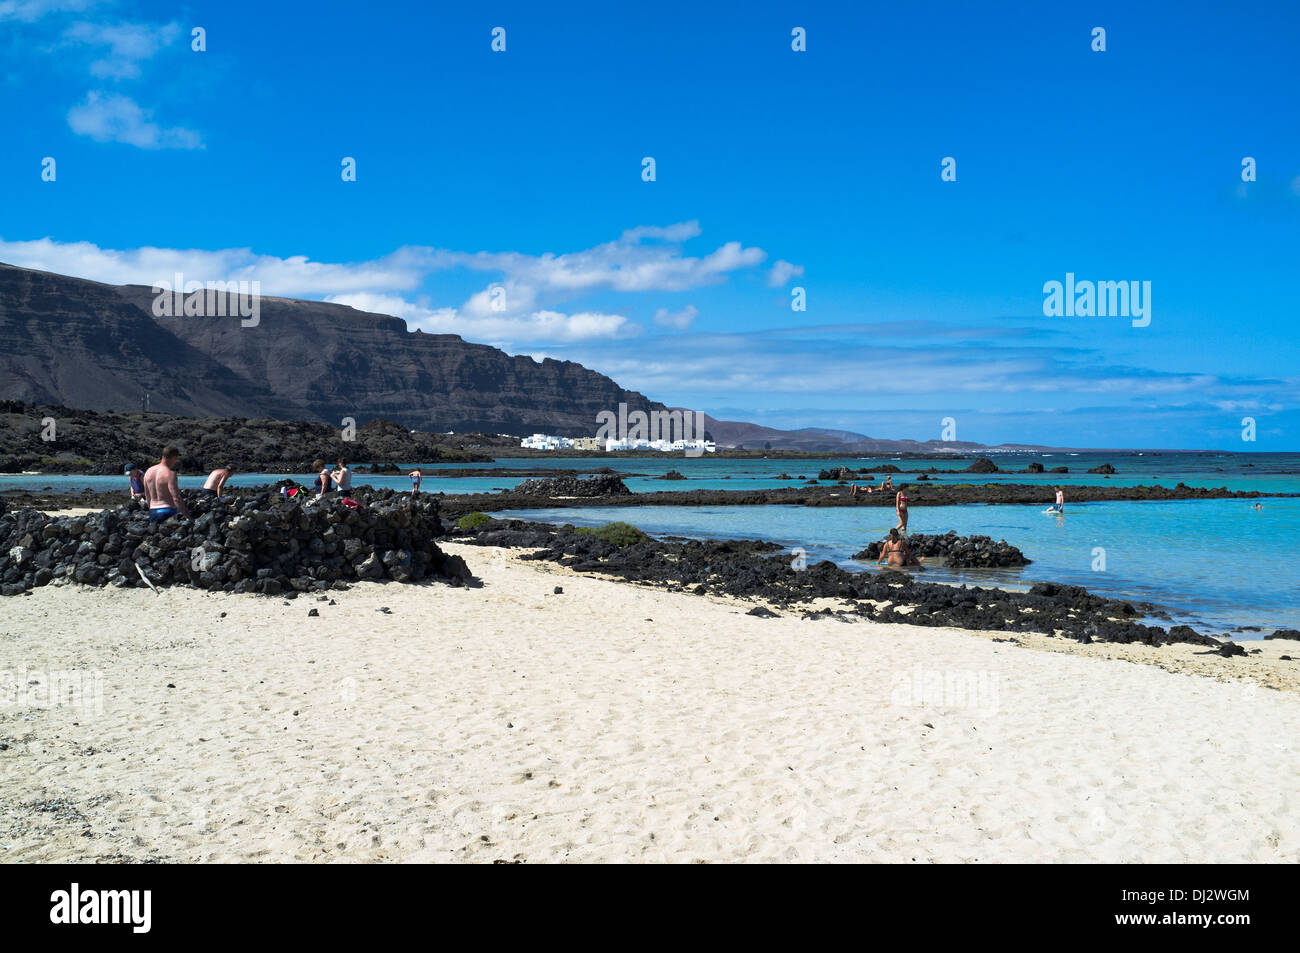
(1267, 473)
(1215, 564)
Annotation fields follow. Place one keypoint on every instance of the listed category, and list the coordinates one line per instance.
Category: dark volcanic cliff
(85, 344)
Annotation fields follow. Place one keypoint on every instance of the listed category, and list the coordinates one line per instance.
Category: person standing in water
(1059, 505)
(216, 481)
(161, 488)
(900, 507)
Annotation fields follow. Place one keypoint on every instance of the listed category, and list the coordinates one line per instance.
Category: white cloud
(496, 328)
(29, 11)
(129, 44)
(627, 264)
(116, 118)
(681, 320)
(298, 275)
(783, 271)
(526, 305)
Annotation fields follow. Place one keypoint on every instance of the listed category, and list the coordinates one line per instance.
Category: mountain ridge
(96, 346)
(100, 347)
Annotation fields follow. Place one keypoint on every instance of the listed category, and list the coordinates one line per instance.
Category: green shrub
(620, 534)
(472, 521)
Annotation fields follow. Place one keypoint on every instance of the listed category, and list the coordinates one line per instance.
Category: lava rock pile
(958, 552)
(602, 484)
(262, 544)
(762, 570)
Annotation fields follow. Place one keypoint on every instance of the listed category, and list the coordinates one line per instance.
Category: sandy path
(610, 723)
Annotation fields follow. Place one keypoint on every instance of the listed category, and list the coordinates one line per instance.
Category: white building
(541, 441)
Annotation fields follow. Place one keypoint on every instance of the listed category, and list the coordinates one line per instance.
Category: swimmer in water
(897, 552)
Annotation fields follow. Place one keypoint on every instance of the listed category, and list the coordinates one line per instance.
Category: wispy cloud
(29, 11)
(497, 329)
(115, 118)
(782, 272)
(677, 319)
(112, 51)
(536, 299)
(127, 45)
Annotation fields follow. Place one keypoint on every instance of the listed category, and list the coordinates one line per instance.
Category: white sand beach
(618, 723)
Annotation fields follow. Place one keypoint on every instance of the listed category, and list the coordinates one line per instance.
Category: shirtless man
(216, 480)
(161, 490)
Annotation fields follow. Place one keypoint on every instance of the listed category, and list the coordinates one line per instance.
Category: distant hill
(99, 347)
(730, 433)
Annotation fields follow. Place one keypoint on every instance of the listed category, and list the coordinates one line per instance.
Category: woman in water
(896, 552)
(900, 507)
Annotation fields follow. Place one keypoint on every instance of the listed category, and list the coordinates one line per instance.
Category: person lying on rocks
(886, 484)
(897, 552)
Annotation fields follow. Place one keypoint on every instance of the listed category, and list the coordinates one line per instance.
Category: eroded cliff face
(85, 344)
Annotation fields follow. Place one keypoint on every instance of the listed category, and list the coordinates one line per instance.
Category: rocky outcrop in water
(922, 496)
(263, 544)
(838, 473)
(1291, 634)
(982, 465)
(958, 552)
(602, 484)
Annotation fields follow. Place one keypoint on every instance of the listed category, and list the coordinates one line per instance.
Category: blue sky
(775, 169)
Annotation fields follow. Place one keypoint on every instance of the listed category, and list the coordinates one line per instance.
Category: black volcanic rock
(602, 484)
(91, 442)
(264, 544)
(95, 346)
(1105, 468)
(833, 495)
(1291, 634)
(959, 552)
(981, 465)
(761, 570)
